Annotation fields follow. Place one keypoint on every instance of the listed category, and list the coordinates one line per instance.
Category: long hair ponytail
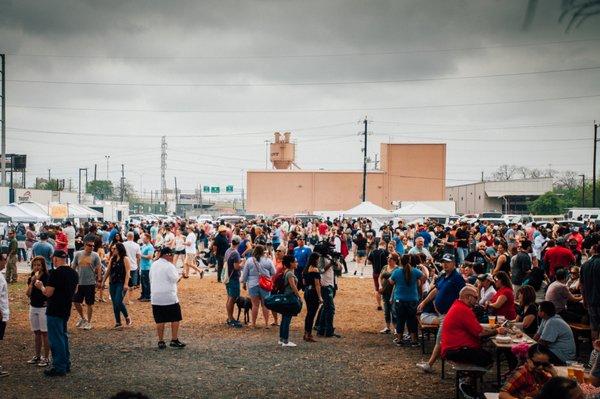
(407, 268)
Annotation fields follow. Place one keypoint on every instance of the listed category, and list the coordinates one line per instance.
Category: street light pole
(107, 157)
(582, 191)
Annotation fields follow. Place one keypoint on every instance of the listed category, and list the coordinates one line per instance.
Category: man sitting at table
(462, 333)
(555, 334)
(528, 380)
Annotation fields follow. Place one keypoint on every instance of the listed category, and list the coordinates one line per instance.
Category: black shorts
(166, 313)
(2, 329)
(85, 292)
(181, 252)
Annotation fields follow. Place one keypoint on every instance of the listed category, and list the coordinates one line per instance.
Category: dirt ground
(220, 361)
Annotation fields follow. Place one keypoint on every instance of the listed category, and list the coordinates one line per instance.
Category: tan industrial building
(508, 196)
(409, 172)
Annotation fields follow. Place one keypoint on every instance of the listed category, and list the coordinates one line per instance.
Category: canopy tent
(18, 214)
(378, 215)
(35, 209)
(78, 211)
(418, 210)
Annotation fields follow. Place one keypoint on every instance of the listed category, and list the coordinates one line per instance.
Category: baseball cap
(60, 254)
(485, 276)
(236, 240)
(448, 258)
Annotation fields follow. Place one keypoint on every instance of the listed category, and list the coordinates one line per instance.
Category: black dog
(243, 302)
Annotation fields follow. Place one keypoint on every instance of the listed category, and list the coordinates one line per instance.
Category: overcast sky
(93, 78)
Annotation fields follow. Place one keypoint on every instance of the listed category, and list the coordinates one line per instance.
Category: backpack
(278, 282)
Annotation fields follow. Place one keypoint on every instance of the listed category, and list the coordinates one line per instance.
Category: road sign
(215, 189)
(229, 189)
(206, 189)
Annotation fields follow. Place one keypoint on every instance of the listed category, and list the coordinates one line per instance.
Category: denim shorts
(257, 291)
(233, 288)
(361, 253)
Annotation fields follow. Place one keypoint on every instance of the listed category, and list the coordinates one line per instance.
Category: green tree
(547, 204)
(101, 189)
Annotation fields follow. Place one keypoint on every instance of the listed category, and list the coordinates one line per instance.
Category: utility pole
(95, 171)
(482, 176)
(364, 192)
(266, 154)
(243, 203)
(582, 191)
(49, 179)
(594, 166)
(3, 155)
(107, 157)
(176, 196)
(86, 181)
(163, 168)
(376, 162)
(122, 182)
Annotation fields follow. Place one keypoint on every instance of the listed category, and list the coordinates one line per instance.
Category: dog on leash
(244, 303)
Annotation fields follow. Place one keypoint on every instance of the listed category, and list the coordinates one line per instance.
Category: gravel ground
(219, 361)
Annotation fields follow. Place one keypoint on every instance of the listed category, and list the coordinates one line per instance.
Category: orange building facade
(409, 172)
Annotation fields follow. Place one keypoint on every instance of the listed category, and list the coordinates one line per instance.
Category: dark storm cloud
(275, 30)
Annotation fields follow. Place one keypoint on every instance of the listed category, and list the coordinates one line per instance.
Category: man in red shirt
(462, 333)
(576, 235)
(558, 257)
(323, 227)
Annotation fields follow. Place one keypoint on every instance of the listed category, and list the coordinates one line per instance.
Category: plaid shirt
(524, 383)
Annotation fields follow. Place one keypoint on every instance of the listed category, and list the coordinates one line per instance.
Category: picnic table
(500, 345)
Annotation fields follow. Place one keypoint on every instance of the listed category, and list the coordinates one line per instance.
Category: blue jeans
(284, 328)
(145, 280)
(134, 278)
(116, 296)
(327, 312)
(59, 343)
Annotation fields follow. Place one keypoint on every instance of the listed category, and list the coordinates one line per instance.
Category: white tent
(376, 214)
(416, 210)
(78, 211)
(35, 209)
(18, 214)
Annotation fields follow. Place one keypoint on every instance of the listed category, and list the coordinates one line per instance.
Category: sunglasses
(89, 245)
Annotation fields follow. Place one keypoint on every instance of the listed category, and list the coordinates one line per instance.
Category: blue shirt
(399, 245)
(301, 254)
(426, 238)
(559, 336)
(112, 234)
(147, 249)
(402, 291)
(44, 249)
(448, 288)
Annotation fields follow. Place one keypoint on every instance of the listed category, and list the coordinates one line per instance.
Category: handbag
(286, 304)
(264, 282)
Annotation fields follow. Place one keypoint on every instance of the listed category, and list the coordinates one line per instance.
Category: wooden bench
(580, 330)
(426, 329)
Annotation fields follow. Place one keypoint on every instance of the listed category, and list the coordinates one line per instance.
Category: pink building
(409, 172)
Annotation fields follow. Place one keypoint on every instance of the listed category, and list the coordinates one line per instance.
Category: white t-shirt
(486, 295)
(169, 240)
(337, 242)
(70, 233)
(163, 283)
(132, 248)
(4, 298)
(191, 239)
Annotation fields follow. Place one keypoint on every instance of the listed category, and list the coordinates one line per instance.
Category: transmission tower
(163, 168)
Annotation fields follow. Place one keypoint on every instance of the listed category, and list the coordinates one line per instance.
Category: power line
(309, 55)
(349, 109)
(331, 83)
(101, 135)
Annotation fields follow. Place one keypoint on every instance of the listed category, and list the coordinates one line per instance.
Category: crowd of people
(454, 276)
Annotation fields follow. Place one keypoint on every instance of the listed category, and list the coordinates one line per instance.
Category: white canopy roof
(415, 210)
(17, 214)
(367, 209)
(78, 211)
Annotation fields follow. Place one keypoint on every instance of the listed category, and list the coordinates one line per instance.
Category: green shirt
(13, 246)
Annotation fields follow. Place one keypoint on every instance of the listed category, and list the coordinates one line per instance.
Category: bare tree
(522, 172)
(567, 180)
(575, 11)
(504, 172)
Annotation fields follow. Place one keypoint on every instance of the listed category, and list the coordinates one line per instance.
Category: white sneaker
(87, 326)
(80, 323)
(425, 367)
(280, 342)
(290, 344)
